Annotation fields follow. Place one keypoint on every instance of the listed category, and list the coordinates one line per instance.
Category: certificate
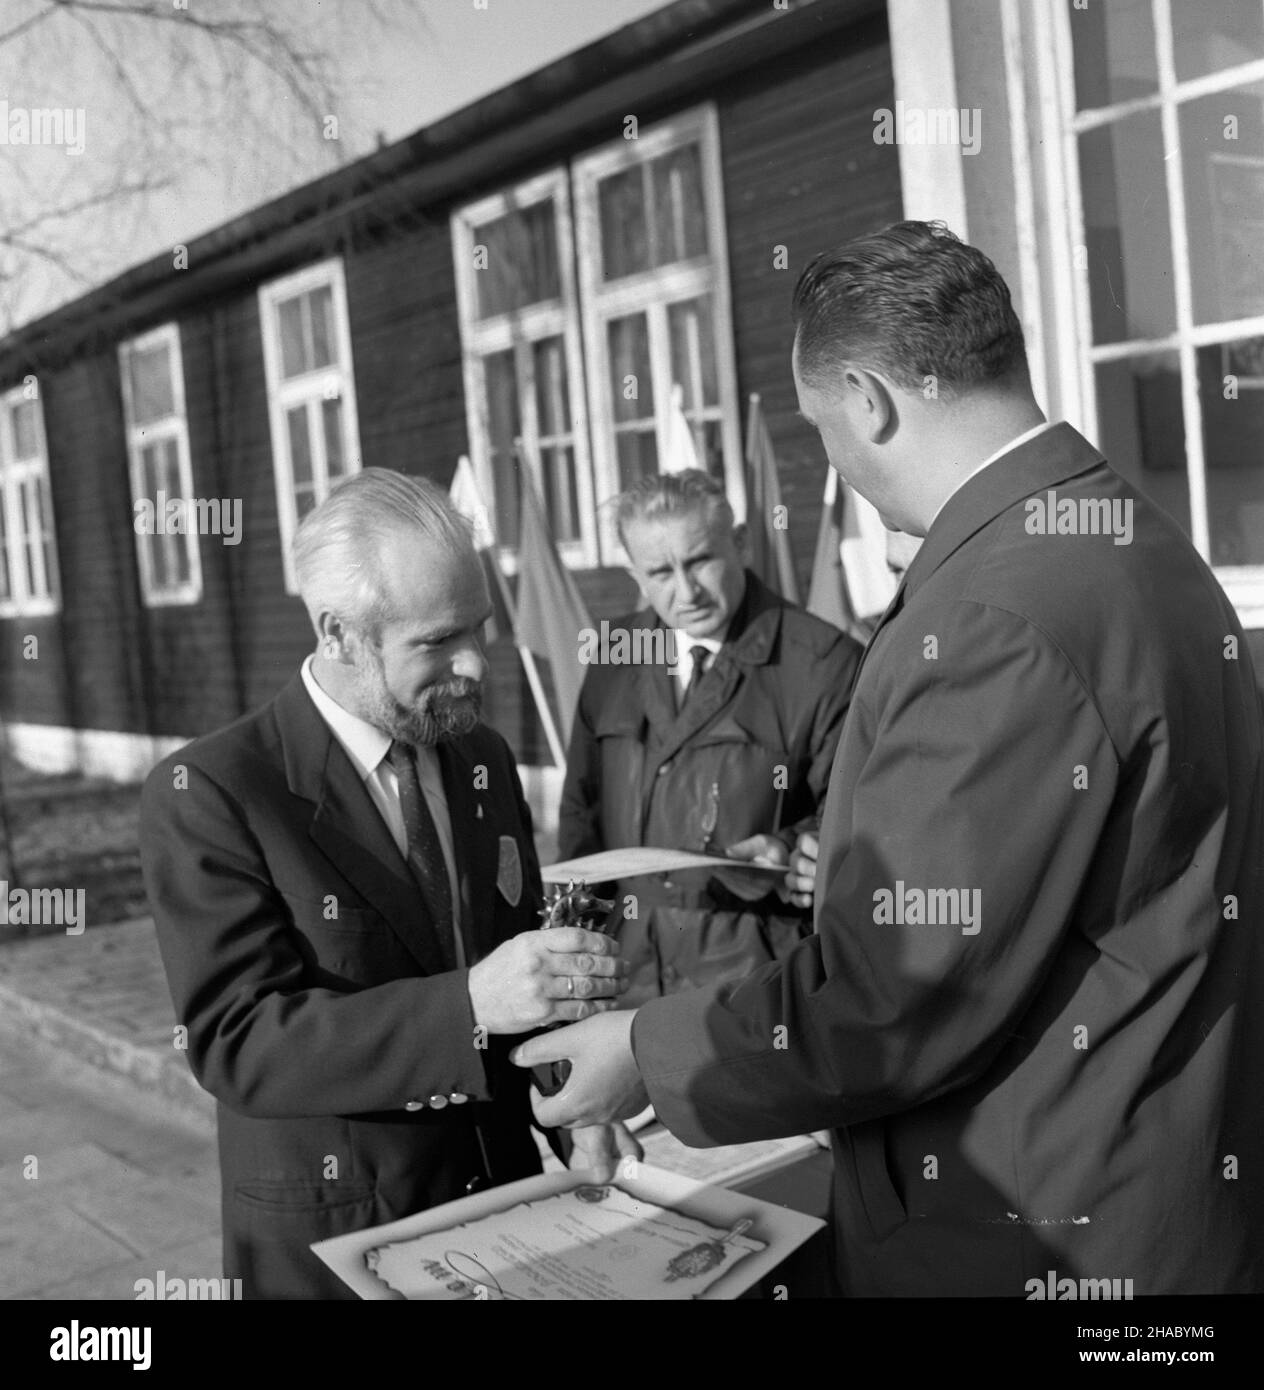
(638, 860)
(559, 1237)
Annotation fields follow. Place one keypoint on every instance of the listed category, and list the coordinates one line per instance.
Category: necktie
(701, 655)
(425, 852)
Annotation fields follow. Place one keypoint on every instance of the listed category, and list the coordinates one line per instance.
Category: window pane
(1126, 224)
(29, 491)
(693, 352)
(560, 494)
(522, 264)
(1114, 52)
(680, 219)
(293, 348)
(304, 499)
(1233, 444)
(624, 235)
(5, 590)
(1222, 148)
(504, 425)
(638, 455)
(25, 430)
(631, 385)
(300, 445)
(152, 393)
(171, 468)
(331, 413)
(1141, 428)
(321, 309)
(150, 480)
(552, 400)
(1211, 35)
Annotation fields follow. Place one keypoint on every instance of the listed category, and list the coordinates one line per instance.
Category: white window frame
(309, 389)
(519, 331)
(173, 427)
(45, 597)
(1244, 584)
(652, 292)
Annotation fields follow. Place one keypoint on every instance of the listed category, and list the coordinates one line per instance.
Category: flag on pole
(551, 613)
(827, 594)
(469, 498)
(839, 540)
(769, 542)
(680, 453)
(870, 583)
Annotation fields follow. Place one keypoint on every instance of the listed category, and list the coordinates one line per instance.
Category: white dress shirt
(992, 458)
(683, 669)
(367, 747)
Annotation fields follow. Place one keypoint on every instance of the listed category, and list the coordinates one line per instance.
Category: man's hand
(604, 1084)
(542, 977)
(801, 880)
(760, 849)
(599, 1149)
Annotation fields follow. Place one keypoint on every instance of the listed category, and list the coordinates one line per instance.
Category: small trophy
(573, 906)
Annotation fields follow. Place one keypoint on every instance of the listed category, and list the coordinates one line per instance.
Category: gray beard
(444, 712)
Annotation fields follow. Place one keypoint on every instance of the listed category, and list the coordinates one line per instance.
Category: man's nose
(687, 585)
(470, 662)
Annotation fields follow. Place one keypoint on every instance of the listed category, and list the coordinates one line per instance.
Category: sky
(396, 82)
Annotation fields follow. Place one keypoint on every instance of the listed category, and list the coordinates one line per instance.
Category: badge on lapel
(509, 871)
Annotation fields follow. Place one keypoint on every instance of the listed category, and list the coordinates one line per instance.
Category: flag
(870, 583)
(838, 542)
(769, 543)
(469, 498)
(551, 613)
(681, 453)
(827, 594)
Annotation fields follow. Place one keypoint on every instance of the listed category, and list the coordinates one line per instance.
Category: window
(1169, 139)
(28, 557)
(654, 289)
(522, 360)
(311, 392)
(649, 304)
(152, 373)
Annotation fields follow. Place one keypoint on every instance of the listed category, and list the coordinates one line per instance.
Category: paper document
(728, 1163)
(637, 860)
(562, 1238)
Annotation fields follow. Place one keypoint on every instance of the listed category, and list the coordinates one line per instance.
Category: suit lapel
(347, 827)
(476, 845)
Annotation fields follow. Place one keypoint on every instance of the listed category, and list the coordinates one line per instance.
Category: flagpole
(542, 707)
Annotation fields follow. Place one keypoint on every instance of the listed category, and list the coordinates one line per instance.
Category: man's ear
(741, 541)
(869, 398)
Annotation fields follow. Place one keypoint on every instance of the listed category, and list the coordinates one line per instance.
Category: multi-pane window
(1169, 132)
(649, 303)
(167, 552)
(28, 557)
(654, 291)
(311, 391)
(523, 369)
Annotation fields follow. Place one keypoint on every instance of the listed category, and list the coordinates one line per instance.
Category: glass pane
(179, 563)
(624, 235)
(150, 481)
(1141, 428)
(1222, 148)
(693, 352)
(293, 348)
(1114, 51)
(680, 218)
(152, 393)
(331, 413)
(324, 342)
(29, 491)
(1211, 35)
(504, 425)
(631, 384)
(171, 468)
(709, 441)
(159, 573)
(638, 455)
(304, 499)
(522, 263)
(25, 430)
(551, 396)
(5, 591)
(560, 494)
(1231, 387)
(300, 445)
(1126, 224)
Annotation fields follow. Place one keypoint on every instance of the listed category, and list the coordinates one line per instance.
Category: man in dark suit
(346, 889)
(1032, 1009)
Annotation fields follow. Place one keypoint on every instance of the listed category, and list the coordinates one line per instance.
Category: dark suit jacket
(1069, 728)
(300, 958)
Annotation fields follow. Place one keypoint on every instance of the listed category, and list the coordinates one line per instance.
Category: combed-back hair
(337, 559)
(910, 301)
(671, 494)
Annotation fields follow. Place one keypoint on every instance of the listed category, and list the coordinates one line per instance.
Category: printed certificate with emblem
(559, 1237)
(638, 860)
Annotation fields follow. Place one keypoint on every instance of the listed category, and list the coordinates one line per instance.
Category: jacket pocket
(883, 1208)
(301, 1198)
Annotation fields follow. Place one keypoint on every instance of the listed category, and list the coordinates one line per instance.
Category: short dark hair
(911, 301)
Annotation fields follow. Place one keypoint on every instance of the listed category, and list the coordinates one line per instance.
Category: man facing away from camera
(346, 891)
(1032, 1010)
(726, 750)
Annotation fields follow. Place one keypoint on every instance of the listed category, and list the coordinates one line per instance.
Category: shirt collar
(365, 744)
(992, 458)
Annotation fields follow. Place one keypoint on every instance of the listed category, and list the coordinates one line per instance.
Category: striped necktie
(425, 852)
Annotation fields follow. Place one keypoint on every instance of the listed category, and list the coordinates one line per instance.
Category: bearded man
(345, 890)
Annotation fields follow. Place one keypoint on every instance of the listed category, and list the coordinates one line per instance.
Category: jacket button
(458, 1097)
(438, 1102)
(663, 771)
(414, 1105)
